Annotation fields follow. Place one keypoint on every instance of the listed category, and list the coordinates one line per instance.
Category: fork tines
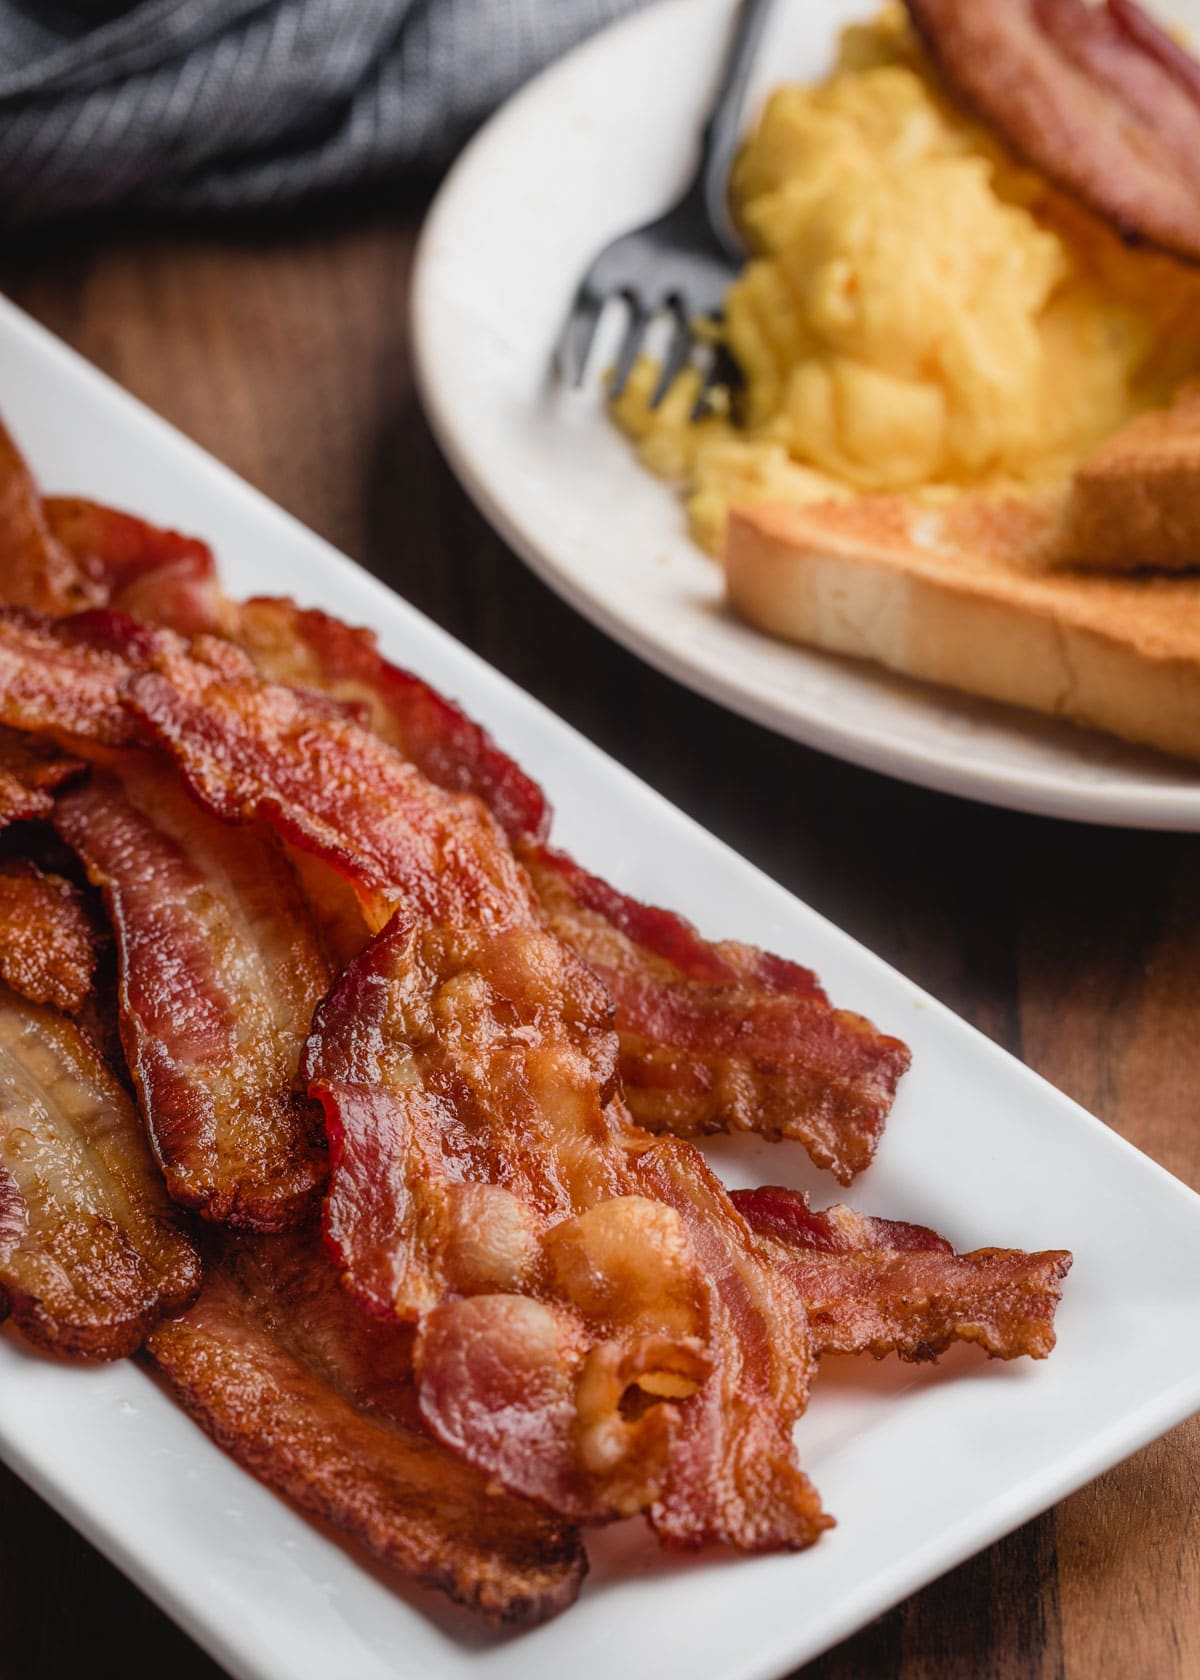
(579, 335)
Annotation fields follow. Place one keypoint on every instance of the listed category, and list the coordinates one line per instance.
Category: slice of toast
(1135, 501)
(959, 594)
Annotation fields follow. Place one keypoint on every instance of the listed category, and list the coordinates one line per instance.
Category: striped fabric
(231, 104)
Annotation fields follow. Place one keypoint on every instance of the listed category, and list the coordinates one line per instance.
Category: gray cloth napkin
(240, 104)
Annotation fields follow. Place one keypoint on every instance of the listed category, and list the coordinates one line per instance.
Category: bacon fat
(90, 1254)
(220, 971)
(723, 1037)
(714, 1037)
(881, 1286)
(281, 1368)
(488, 1186)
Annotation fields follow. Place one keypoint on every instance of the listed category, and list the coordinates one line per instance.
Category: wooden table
(286, 352)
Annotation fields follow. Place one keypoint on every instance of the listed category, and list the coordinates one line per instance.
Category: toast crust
(1135, 501)
(960, 595)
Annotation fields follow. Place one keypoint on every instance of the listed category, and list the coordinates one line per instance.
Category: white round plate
(601, 142)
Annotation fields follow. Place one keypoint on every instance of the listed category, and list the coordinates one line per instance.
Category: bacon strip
(1095, 96)
(220, 971)
(63, 677)
(308, 649)
(35, 569)
(723, 1037)
(90, 1255)
(48, 937)
(482, 1183)
(714, 1037)
(487, 1186)
(278, 1366)
(153, 574)
(253, 749)
(880, 1286)
(30, 770)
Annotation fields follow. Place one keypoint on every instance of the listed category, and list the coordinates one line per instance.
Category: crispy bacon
(35, 569)
(63, 678)
(596, 1328)
(315, 1398)
(881, 1286)
(48, 937)
(30, 770)
(308, 649)
(220, 971)
(714, 1037)
(153, 574)
(723, 1037)
(1095, 96)
(465, 1065)
(254, 749)
(90, 1255)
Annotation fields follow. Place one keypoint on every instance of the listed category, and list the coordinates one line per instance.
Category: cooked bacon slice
(90, 1255)
(220, 971)
(596, 1328)
(48, 937)
(138, 568)
(63, 678)
(882, 1286)
(30, 770)
(249, 748)
(280, 1367)
(723, 1037)
(308, 649)
(714, 1037)
(1095, 96)
(35, 569)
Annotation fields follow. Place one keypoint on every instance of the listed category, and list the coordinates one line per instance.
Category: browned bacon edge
(30, 770)
(154, 574)
(90, 1253)
(881, 1286)
(488, 1186)
(279, 1366)
(686, 1007)
(63, 677)
(35, 569)
(49, 939)
(220, 971)
(721, 1037)
(305, 648)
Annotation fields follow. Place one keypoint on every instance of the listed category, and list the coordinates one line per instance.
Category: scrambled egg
(920, 313)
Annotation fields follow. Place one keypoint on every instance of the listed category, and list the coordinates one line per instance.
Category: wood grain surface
(286, 353)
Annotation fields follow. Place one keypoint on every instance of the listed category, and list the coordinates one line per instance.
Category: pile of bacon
(329, 1083)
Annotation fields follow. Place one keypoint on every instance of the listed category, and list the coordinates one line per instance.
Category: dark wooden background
(287, 354)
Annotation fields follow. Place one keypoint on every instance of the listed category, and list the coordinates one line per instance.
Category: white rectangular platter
(920, 1467)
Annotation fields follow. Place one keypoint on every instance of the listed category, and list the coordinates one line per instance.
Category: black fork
(681, 264)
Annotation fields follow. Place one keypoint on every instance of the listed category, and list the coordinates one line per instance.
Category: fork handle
(722, 130)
